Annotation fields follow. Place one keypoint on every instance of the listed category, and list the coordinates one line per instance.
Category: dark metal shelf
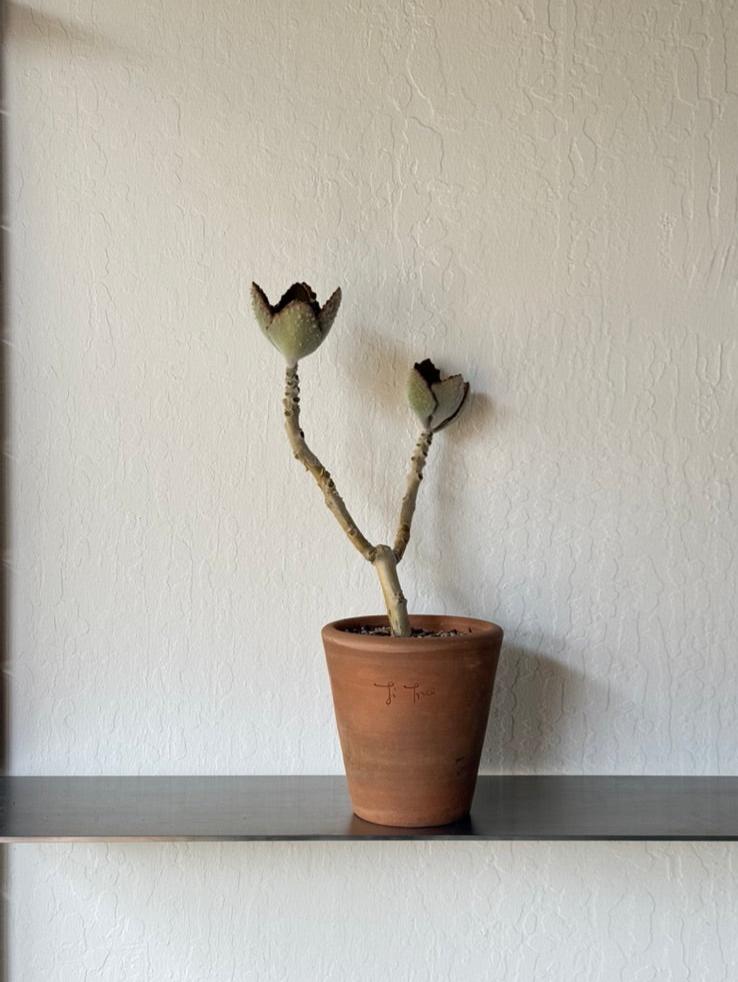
(35, 809)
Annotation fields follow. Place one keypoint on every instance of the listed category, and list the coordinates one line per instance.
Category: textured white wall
(541, 195)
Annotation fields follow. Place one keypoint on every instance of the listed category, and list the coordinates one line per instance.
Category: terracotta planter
(412, 714)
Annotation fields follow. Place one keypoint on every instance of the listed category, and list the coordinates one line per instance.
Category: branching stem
(414, 477)
(381, 556)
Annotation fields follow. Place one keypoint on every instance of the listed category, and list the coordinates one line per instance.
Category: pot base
(402, 821)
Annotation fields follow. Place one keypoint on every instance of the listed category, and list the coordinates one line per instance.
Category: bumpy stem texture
(414, 477)
(322, 477)
(386, 567)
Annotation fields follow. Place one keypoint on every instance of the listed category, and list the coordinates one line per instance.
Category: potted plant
(411, 692)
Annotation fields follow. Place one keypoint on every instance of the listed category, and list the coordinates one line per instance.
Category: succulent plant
(297, 326)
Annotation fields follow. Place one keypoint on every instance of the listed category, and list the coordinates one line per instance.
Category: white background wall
(541, 195)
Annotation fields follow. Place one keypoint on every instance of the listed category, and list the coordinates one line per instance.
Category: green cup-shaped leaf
(435, 400)
(297, 325)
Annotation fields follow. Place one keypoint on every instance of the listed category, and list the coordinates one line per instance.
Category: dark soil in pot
(383, 631)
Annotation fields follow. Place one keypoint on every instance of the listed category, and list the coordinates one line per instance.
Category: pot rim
(475, 630)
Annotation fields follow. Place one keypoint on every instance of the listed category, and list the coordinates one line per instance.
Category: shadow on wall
(18, 22)
(536, 718)
(537, 698)
(534, 708)
(26, 23)
(4, 513)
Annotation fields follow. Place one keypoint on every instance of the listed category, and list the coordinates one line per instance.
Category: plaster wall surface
(541, 195)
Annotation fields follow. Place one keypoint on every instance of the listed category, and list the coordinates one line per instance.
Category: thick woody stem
(414, 477)
(386, 567)
(323, 479)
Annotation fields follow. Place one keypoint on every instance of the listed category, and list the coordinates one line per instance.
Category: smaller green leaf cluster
(435, 401)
